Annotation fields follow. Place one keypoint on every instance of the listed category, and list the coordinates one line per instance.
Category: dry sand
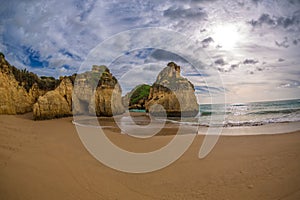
(46, 160)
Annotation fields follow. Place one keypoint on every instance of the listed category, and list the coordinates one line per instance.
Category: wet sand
(46, 160)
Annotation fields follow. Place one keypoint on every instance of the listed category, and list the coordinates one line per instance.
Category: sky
(253, 45)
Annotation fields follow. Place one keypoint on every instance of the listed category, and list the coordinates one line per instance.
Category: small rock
(250, 186)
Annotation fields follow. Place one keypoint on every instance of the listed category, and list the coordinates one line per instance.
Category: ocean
(251, 114)
(244, 114)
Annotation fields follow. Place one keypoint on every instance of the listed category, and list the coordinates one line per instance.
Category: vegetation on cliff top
(28, 79)
(141, 92)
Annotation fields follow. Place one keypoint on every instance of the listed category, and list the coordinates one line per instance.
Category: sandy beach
(46, 160)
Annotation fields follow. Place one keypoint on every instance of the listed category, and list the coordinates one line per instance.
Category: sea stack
(174, 93)
(97, 92)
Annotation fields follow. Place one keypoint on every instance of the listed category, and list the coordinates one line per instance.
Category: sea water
(251, 114)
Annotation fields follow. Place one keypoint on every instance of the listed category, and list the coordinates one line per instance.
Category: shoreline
(142, 119)
(265, 129)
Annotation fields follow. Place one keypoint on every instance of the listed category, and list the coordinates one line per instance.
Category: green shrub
(141, 92)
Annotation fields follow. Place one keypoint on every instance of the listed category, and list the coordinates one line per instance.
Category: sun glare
(226, 36)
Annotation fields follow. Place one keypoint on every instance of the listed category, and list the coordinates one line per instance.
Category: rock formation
(55, 103)
(97, 92)
(14, 98)
(174, 93)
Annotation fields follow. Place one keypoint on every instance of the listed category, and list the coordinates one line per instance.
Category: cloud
(162, 55)
(138, 75)
(280, 60)
(86, 8)
(40, 35)
(257, 1)
(250, 61)
(208, 89)
(228, 67)
(296, 41)
(234, 66)
(195, 75)
(223, 66)
(290, 84)
(220, 61)
(294, 2)
(206, 42)
(185, 13)
(63, 32)
(263, 19)
(292, 21)
(284, 43)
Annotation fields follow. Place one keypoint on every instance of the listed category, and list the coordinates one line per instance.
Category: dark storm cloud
(182, 13)
(206, 42)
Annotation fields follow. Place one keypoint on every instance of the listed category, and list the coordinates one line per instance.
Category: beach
(47, 160)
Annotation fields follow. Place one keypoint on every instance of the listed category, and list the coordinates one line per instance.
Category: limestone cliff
(97, 92)
(14, 97)
(55, 103)
(174, 93)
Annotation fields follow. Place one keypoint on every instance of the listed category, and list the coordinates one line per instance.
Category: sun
(226, 36)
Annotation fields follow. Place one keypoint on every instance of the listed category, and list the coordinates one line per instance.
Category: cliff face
(174, 93)
(14, 98)
(55, 103)
(102, 97)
